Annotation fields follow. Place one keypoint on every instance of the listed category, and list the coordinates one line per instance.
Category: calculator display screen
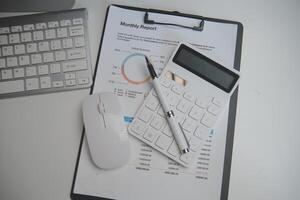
(206, 68)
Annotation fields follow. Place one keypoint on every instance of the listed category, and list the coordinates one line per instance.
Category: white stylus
(178, 134)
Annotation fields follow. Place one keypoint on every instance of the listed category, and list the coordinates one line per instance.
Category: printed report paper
(122, 70)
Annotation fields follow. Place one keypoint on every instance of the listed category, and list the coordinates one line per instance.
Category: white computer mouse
(105, 130)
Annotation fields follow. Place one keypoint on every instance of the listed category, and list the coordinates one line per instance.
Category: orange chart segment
(138, 60)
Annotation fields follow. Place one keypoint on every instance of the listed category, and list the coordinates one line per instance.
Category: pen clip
(186, 140)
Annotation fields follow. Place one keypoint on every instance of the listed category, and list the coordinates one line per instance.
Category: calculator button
(187, 157)
(167, 131)
(161, 111)
(195, 143)
(150, 135)
(172, 99)
(208, 120)
(163, 142)
(213, 109)
(201, 103)
(189, 125)
(176, 89)
(183, 106)
(152, 103)
(165, 82)
(145, 115)
(201, 132)
(157, 122)
(138, 127)
(196, 113)
(173, 149)
(217, 101)
(188, 96)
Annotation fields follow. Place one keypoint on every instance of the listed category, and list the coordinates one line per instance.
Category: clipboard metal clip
(195, 28)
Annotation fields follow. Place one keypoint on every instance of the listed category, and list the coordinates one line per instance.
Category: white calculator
(197, 89)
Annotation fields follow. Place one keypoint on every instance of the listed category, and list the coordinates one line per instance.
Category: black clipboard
(232, 106)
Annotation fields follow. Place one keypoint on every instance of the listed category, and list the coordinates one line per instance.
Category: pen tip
(146, 59)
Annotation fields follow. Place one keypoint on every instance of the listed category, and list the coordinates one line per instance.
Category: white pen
(179, 136)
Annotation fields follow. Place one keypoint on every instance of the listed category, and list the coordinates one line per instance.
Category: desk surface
(40, 135)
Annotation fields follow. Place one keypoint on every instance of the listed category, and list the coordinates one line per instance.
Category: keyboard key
(70, 82)
(60, 55)
(218, 101)
(45, 82)
(32, 84)
(76, 30)
(173, 149)
(189, 125)
(62, 32)
(183, 106)
(145, 115)
(7, 51)
(31, 47)
(83, 81)
(31, 71)
(79, 42)
(12, 61)
(196, 113)
(2, 63)
(26, 37)
(215, 110)
(74, 65)
(163, 142)
(24, 60)
(4, 30)
(76, 53)
(152, 103)
(15, 29)
(36, 58)
(38, 35)
(19, 73)
(43, 69)
(3, 39)
(55, 44)
(138, 127)
(67, 43)
(55, 68)
(161, 111)
(208, 120)
(11, 86)
(77, 21)
(14, 38)
(58, 84)
(19, 49)
(40, 26)
(28, 27)
(70, 76)
(43, 46)
(6, 74)
(157, 122)
(150, 135)
(48, 57)
(53, 24)
(65, 22)
(50, 34)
